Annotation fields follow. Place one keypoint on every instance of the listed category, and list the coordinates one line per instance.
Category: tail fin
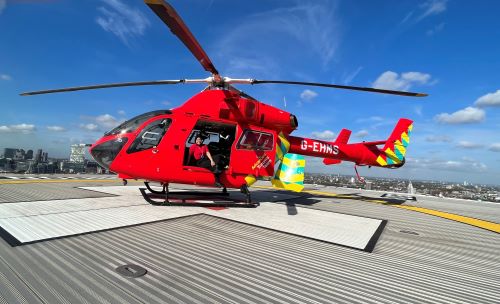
(394, 150)
(343, 137)
(290, 173)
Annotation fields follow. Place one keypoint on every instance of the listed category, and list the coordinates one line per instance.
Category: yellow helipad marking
(491, 226)
(455, 217)
(341, 196)
(36, 181)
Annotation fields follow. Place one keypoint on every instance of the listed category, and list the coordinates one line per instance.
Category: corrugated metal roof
(204, 259)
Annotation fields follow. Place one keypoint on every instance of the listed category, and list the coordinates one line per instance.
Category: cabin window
(255, 140)
(150, 136)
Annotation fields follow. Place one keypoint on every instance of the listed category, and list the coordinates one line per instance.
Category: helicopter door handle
(154, 151)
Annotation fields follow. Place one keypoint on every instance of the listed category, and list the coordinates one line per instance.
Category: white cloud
(308, 95)
(102, 122)
(21, 128)
(123, 21)
(361, 133)
(89, 127)
(121, 112)
(464, 116)
(393, 81)
(469, 145)
(56, 128)
(350, 77)
(418, 110)
(107, 121)
(432, 7)
(495, 147)
(436, 29)
(489, 100)
(464, 165)
(324, 135)
(5, 77)
(166, 103)
(3, 3)
(256, 45)
(370, 119)
(438, 138)
(407, 17)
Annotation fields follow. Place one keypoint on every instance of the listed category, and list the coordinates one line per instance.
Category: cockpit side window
(150, 136)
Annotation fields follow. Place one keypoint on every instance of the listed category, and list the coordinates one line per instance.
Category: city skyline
(448, 49)
(88, 157)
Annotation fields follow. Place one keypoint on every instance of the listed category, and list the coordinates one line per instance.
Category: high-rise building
(77, 153)
(9, 152)
(29, 155)
(19, 154)
(45, 157)
(38, 155)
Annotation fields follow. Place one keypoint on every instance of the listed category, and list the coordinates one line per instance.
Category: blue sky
(448, 49)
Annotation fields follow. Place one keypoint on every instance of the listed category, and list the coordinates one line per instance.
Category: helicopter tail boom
(392, 155)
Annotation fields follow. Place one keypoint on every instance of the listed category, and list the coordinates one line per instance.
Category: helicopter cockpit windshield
(132, 124)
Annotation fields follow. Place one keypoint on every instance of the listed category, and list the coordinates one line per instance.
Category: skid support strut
(195, 198)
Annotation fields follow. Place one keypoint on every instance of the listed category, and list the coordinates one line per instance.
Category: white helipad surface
(29, 222)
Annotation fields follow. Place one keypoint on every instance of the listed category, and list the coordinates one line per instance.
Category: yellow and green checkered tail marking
(394, 151)
(290, 173)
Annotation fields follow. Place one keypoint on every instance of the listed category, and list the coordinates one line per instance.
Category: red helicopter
(253, 137)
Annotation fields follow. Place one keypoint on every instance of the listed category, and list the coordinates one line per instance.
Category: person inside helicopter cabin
(204, 159)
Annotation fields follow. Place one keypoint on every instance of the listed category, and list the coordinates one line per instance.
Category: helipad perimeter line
(457, 218)
(487, 225)
(34, 181)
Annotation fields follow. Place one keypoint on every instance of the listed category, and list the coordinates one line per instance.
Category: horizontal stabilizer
(343, 137)
(290, 173)
(329, 161)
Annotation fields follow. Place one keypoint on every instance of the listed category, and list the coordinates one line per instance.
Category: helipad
(28, 222)
(294, 248)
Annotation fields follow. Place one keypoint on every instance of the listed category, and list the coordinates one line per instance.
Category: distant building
(29, 155)
(38, 155)
(19, 154)
(368, 185)
(45, 157)
(77, 153)
(71, 167)
(411, 190)
(9, 153)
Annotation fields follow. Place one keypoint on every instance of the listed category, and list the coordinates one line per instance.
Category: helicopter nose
(104, 153)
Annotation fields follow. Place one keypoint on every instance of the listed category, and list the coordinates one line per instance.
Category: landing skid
(195, 198)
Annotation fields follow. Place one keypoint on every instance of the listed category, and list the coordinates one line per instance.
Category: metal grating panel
(12, 193)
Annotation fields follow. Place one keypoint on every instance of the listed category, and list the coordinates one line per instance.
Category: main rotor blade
(103, 86)
(170, 17)
(336, 86)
